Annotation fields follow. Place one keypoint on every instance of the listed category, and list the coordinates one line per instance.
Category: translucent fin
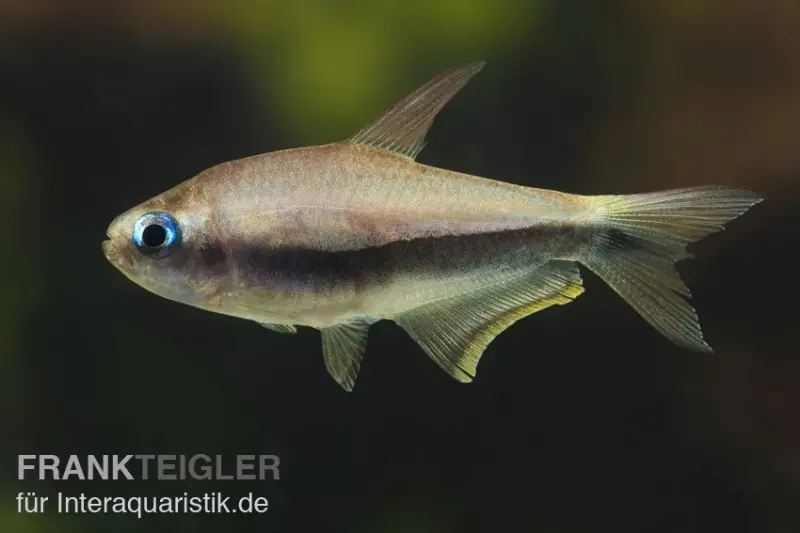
(402, 128)
(343, 348)
(645, 235)
(455, 332)
(280, 328)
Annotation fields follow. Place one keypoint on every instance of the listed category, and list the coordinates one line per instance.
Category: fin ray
(280, 328)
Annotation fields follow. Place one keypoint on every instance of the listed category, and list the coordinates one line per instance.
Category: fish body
(343, 231)
(339, 236)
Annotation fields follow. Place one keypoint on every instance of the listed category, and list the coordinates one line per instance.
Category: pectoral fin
(455, 332)
(343, 348)
(402, 128)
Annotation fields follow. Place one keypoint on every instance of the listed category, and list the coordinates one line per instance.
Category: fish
(339, 236)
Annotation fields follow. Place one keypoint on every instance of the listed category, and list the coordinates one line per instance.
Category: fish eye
(156, 233)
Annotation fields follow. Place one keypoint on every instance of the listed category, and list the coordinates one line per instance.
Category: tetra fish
(342, 235)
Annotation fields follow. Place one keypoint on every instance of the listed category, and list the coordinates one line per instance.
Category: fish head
(166, 246)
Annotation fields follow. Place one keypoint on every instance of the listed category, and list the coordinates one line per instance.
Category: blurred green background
(582, 419)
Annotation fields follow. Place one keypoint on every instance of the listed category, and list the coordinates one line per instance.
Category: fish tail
(642, 236)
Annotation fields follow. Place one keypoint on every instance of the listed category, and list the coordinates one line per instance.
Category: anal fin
(280, 328)
(343, 348)
(455, 331)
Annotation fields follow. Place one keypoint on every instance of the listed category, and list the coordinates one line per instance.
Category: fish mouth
(107, 249)
(117, 256)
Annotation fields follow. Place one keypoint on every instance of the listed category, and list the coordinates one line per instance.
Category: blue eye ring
(156, 233)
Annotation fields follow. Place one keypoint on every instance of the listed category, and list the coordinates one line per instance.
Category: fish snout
(116, 255)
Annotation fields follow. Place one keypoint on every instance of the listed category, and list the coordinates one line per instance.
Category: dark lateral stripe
(435, 257)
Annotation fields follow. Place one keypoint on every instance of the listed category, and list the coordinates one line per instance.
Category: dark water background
(582, 418)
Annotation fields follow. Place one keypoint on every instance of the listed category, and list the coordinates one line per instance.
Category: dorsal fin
(402, 128)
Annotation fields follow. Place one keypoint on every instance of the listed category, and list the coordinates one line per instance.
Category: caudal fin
(644, 235)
